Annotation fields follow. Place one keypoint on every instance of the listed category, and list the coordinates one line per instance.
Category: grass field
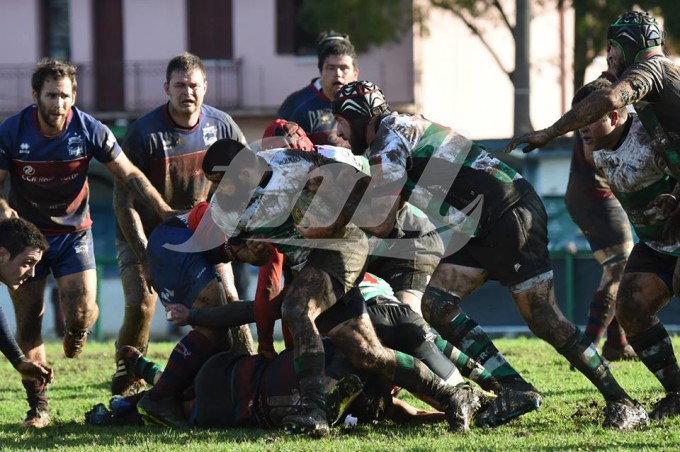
(568, 420)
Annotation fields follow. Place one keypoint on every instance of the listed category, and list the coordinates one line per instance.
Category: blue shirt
(171, 156)
(48, 175)
(310, 108)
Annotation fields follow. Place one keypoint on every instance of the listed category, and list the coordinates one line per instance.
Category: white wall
(463, 87)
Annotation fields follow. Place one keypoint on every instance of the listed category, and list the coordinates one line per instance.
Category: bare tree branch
(483, 40)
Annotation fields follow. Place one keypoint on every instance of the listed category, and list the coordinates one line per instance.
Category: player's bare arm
(589, 110)
(5, 210)
(138, 184)
(129, 221)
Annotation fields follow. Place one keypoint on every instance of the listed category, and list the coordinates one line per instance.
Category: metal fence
(143, 86)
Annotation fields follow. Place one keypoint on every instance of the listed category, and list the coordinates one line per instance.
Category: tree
(592, 18)
(375, 22)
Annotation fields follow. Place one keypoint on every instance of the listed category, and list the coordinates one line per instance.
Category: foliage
(368, 22)
(592, 18)
(568, 419)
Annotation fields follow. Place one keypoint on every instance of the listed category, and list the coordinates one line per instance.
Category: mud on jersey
(48, 175)
(268, 213)
(442, 172)
(171, 156)
(657, 80)
(637, 175)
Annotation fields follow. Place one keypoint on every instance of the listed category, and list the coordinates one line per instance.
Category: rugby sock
(600, 314)
(185, 361)
(468, 367)
(35, 393)
(472, 340)
(147, 369)
(655, 350)
(582, 354)
(309, 368)
(616, 337)
(414, 376)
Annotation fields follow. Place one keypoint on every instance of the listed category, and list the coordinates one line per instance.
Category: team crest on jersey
(75, 146)
(81, 249)
(209, 135)
(24, 148)
(168, 295)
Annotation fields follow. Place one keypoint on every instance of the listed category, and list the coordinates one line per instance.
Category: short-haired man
(21, 248)
(646, 79)
(167, 145)
(46, 149)
(625, 155)
(310, 107)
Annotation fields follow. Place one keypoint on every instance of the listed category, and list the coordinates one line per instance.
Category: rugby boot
(166, 411)
(125, 381)
(311, 419)
(341, 396)
(624, 415)
(625, 353)
(513, 401)
(460, 404)
(37, 417)
(669, 406)
(74, 341)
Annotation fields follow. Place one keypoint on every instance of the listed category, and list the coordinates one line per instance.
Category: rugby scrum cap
(286, 134)
(634, 32)
(360, 100)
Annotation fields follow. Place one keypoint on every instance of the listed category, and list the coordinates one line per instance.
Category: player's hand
(533, 140)
(661, 207)
(7, 213)
(35, 371)
(177, 314)
(258, 249)
(268, 353)
(169, 213)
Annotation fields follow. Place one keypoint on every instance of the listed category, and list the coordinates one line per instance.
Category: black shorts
(398, 326)
(350, 306)
(413, 253)
(403, 274)
(603, 221)
(515, 249)
(644, 259)
(346, 264)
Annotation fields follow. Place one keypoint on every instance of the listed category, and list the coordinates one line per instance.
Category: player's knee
(440, 306)
(293, 313)
(140, 305)
(369, 358)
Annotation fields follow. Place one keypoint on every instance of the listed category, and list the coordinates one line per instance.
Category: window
(290, 37)
(210, 30)
(56, 38)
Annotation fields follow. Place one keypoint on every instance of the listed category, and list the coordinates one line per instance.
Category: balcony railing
(143, 86)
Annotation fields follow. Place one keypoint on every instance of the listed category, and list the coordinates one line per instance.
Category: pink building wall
(448, 74)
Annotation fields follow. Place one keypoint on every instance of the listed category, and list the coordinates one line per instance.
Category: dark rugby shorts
(515, 249)
(644, 259)
(603, 221)
(68, 254)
